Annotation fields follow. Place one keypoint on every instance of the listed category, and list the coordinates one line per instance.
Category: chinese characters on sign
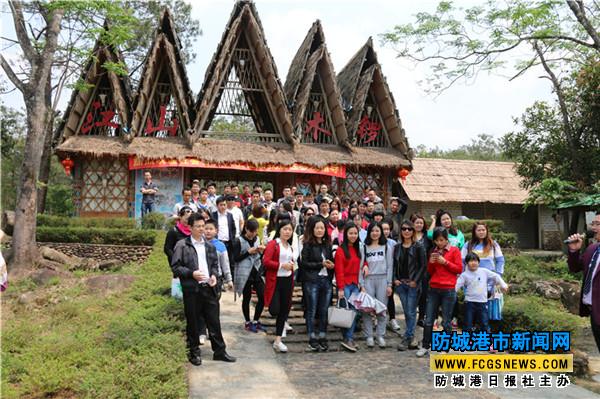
(314, 126)
(161, 124)
(368, 130)
(106, 120)
(507, 381)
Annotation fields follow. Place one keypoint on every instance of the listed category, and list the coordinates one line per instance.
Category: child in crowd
(474, 280)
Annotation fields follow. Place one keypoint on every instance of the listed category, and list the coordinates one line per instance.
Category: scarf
(184, 229)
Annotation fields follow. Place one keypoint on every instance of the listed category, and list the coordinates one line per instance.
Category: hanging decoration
(68, 164)
(161, 124)
(368, 129)
(403, 173)
(314, 126)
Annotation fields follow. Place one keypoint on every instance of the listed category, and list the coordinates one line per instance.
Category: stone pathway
(376, 373)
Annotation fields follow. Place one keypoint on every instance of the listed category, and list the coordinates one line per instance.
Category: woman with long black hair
(317, 273)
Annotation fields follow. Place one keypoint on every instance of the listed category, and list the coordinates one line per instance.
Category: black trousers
(283, 293)
(256, 282)
(203, 303)
(391, 307)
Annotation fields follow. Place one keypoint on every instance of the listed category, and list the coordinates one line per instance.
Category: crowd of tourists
(248, 242)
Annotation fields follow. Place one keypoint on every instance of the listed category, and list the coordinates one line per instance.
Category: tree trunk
(47, 154)
(25, 252)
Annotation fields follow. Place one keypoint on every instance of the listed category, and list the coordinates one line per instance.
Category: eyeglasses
(188, 211)
(407, 229)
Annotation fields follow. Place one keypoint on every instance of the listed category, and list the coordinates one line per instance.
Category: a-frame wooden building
(244, 126)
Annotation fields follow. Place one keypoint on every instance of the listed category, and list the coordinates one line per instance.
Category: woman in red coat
(279, 259)
(445, 264)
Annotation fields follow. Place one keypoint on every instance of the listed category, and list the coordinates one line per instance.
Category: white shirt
(238, 217)
(202, 265)
(323, 271)
(223, 233)
(286, 255)
(476, 284)
(587, 299)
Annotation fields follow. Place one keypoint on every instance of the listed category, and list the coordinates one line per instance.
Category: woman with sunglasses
(420, 225)
(409, 269)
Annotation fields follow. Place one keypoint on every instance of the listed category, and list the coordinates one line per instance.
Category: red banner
(329, 170)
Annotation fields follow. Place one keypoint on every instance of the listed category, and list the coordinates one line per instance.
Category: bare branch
(17, 12)
(12, 76)
(578, 9)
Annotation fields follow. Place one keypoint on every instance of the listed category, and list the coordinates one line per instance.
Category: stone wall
(103, 252)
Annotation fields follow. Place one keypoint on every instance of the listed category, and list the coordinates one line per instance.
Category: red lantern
(402, 173)
(68, 164)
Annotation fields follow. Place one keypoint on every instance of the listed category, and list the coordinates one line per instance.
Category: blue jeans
(147, 207)
(408, 296)
(318, 298)
(437, 297)
(348, 333)
(476, 311)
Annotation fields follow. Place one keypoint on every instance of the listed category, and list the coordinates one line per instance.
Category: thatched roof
(244, 20)
(313, 59)
(92, 74)
(447, 180)
(232, 151)
(361, 75)
(165, 46)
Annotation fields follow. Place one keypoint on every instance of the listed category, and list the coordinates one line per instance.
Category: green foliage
(527, 270)
(59, 221)
(96, 235)
(153, 221)
(129, 345)
(466, 226)
(529, 312)
(483, 148)
(12, 143)
(552, 192)
(458, 43)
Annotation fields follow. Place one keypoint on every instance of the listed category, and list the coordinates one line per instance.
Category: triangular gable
(163, 100)
(243, 54)
(373, 119)
(317, 114)
(104, 108)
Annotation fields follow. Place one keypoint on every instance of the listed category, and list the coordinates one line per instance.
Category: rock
(43, 276)
(571, 294)
(26, 298)
(581, 364)
(516, 289)
(548, 289)
(57, 256)
(111, 264)
(109, 283)
(50, 264)
(87, 264)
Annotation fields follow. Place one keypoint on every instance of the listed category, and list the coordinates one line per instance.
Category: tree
(52, 37)
(482, 148)
(560, 39)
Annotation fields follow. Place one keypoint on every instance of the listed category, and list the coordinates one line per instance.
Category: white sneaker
(202, 339)
(287, 327)
(422, 352)
(381, 342)
(284, 333)
(395, 325)
(370, 342)
(280, 347)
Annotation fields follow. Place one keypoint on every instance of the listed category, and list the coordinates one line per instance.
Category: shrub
(153, 221)
(505, 240)
(467, 225)
(530, 312)
(93, 235)
(61, 221)
(59, 199)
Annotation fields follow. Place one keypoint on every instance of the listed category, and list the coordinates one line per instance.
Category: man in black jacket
(196, 264)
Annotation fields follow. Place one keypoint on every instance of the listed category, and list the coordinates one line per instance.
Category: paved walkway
(260, 373)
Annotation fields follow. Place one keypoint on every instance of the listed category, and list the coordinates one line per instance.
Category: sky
(447, 121)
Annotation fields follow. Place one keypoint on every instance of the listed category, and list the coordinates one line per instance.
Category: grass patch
(128, 345)
(526, 270)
